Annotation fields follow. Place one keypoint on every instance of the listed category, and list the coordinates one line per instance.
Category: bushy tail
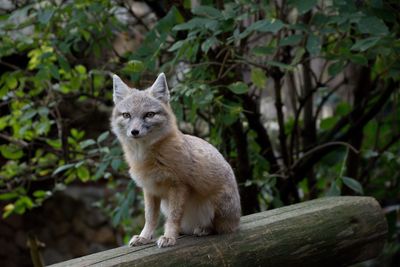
(227, 213)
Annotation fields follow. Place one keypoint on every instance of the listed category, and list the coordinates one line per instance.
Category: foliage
(43, 149)
(331, 69)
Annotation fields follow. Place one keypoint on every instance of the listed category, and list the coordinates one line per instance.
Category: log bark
(336, 231)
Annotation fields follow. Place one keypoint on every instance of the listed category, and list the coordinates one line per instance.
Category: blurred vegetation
(328, 69)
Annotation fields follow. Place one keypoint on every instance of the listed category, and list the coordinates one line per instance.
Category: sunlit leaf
(258, 77)
(238, 88)
(11, 151)
(83, 173)
(63, 168)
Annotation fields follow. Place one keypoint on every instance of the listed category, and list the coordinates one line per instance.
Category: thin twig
(326, 97)
(372, 162)
(317, 148)
(223, 64)
(12, 66)
(13, 140)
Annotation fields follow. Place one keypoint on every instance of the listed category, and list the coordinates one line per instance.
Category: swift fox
(184, 176)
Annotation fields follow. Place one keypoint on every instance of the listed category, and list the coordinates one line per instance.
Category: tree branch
(300, 169)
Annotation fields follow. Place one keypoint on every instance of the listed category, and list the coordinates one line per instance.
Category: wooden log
(336, 231)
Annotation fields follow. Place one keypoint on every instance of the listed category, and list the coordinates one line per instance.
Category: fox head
(142, 115)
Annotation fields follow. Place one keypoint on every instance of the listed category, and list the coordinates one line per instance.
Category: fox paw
(201, 231)
(138, 240)
(164, 241)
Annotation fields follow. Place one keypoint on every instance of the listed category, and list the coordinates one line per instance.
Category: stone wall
(68, 227)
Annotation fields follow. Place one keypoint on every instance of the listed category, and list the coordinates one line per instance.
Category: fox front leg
(151, 213)
(177, 197)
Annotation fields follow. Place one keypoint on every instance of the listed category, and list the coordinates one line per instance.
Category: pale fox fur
(183, 175)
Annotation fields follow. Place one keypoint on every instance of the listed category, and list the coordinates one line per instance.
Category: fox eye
(149, 114)
(126, 115)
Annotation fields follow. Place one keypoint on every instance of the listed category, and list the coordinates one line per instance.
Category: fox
(184, 176)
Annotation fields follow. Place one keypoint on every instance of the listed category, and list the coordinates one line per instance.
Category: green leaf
(176, 46)
(11, 151)
(122, 211)
(83, 173)
(206, 45)
(42, 127)
(54, 71)
(41, 194)
(258, 77)
(11, 82)
(335, 68)
(63, 168)
(8, 196)
(279, 65)
(8, 210)
(70, 178)
(291, 40)
(238, 88)
(3, 91)
(353, 184)
(77, 134)
(273, 26)
(303, 5)
(100, 170)
(333, 191)
(80, 69)
(43, 111)
(80, 163)
(343, 109)
(22, 204)
(365, 44)
(103, 137)
(359, 59)
(207, 11)
(313, 45)
(372, 25)
(200, 23)
(263, 50)
(44, 16)
(64, 64)
(55, 143)
(28, 114)
(133, 66)
(116, 217)
(328, 123)
(298, 56)
(87, 143)
(116, 164)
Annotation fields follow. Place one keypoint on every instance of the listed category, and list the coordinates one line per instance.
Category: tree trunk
(360, 92)
(243, 170)
(337, 231)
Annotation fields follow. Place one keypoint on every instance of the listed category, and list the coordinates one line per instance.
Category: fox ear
(159, 89)
(121, 90)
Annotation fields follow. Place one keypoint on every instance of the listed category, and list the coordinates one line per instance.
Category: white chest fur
(147, 174)
(153, 181)
(137, 151)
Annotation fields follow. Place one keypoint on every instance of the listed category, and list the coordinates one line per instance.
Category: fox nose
(135, 132)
